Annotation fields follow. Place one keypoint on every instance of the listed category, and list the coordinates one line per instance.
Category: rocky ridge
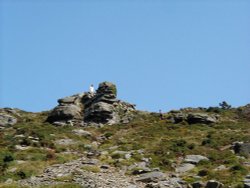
(88, 108)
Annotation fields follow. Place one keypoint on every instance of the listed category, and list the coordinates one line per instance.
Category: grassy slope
(165, 143)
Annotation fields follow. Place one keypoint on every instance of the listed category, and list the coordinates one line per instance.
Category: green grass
(163, 142)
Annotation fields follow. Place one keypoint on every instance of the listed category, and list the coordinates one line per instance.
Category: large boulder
(64, 113)
(99, 112)
(186, 115)
(203, 118)
(88, 108)
(7, 120)
(241, 148)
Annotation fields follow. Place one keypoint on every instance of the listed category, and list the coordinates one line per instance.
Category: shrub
(203, 172)
(8, 158)
(21, 174)
(214, 109)
(224, 105)
(239, 168)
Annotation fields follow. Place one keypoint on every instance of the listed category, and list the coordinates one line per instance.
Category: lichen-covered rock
(97, 108)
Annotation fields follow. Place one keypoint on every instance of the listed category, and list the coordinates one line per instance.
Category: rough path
(73, 172)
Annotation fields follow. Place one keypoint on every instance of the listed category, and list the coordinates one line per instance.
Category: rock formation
(7, 117)
(193, 117)
(100, 108)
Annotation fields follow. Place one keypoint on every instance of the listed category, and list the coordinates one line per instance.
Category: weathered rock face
(200, 118)
(65, 113)
(6, 120)
(193, 118)
(101, 107)
(8, 117)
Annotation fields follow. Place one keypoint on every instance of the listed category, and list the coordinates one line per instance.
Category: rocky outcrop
(8, 117)
(6, 120)
(193, 117)
(97, 108)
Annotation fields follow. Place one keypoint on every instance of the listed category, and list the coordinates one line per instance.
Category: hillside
(100, 141)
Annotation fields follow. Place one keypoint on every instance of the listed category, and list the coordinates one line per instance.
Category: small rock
(194, 159)
(65, 142)
(81, 132)
(184, 168)
(9, 181)
(105, 166)
(18, 147)
(151, 176)
(221, 167)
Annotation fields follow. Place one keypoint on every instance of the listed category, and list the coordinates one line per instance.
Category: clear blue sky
(162, 54)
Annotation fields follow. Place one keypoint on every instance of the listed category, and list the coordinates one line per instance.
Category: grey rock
(7, 120)
(66, 100)
(194, 118)
(184, 168)
(121, 154)
(132, 186)
(194, 159)
(107, 88)
(246, 185)
(221, 167)
(241, 148)
(151, 176)
(81, 132)
(65, 142)
(214, 184)
(99, 113)
(64, 113)
(89, 109)
(170, 183)
(179, 117)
